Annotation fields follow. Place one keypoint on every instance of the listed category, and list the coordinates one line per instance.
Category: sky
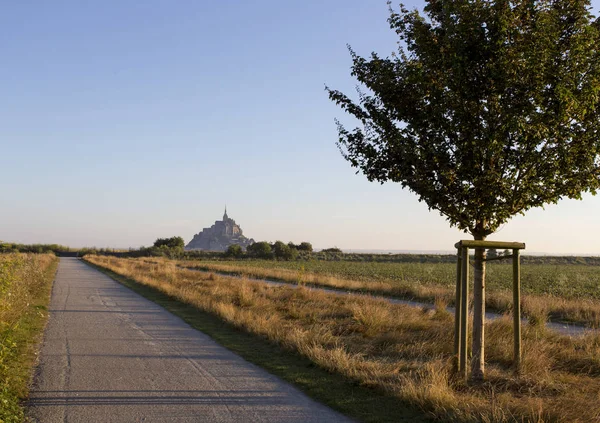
(125, 121)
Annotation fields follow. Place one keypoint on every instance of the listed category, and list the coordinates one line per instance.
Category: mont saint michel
(219, 236)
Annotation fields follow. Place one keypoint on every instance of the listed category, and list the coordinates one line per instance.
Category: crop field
(566, 281)
(394, 350)
(559, 292)
(25, 281)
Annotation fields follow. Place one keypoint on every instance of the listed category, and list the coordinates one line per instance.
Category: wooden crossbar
(469, 243)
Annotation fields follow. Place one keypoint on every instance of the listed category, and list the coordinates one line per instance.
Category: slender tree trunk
(478, 348)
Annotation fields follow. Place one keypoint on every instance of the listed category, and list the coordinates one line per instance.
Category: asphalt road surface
(110, 355)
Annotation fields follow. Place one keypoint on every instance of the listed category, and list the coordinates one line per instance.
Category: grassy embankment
(569, 293)
(25, 283)
(391, 351)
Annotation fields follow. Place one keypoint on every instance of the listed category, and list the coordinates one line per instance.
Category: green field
(562, 280)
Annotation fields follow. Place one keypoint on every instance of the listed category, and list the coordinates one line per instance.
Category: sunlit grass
(569, 281)
(546, 294)
(395, 350)
(25, 281)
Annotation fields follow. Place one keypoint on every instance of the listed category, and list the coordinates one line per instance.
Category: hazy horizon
(124, 122)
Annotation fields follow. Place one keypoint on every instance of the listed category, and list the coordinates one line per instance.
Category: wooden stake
(517, 308)
(457, 308)
(464, 321)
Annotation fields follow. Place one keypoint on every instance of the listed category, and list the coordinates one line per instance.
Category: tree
(493, 253)
(260, 250)
(234, 250)
(488, 109)
(283, 251)
(305, 246)
(173, 242)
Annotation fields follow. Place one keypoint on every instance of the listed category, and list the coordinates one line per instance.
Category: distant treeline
(57, 249)
(173, 248)
(9, 247)
(278, 252)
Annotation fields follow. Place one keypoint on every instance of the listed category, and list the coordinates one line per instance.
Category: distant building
(219, 236)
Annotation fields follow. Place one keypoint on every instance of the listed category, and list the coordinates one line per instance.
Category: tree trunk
(478, 348)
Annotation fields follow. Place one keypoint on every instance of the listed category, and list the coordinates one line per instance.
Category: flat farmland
(562, 280)
(560, 292)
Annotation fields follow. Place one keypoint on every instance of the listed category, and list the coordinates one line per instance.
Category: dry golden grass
(21, 277)
(397, 350)
(538, 308)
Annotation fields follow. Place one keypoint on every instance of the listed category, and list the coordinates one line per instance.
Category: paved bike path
(110, 355)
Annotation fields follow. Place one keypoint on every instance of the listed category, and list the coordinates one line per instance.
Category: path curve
(110, 355)
(568, 329)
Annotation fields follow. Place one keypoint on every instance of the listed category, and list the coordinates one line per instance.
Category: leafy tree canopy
(260, 249)
(305, 246)
(283, 251)
(488, 109)
(234, 250)
(173, 242)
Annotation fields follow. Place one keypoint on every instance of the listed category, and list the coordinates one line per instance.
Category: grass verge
(332, 389)
(25, 285)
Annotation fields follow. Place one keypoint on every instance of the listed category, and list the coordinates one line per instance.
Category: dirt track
(109, 355)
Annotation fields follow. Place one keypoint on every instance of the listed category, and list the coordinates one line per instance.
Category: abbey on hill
(219, 236)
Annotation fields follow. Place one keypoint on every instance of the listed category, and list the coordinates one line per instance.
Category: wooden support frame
(461, 314)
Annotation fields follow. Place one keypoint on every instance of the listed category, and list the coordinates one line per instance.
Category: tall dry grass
(23, 280)
(538, 308)
(397, 350)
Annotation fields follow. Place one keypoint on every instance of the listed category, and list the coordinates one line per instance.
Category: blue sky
(124, 121)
